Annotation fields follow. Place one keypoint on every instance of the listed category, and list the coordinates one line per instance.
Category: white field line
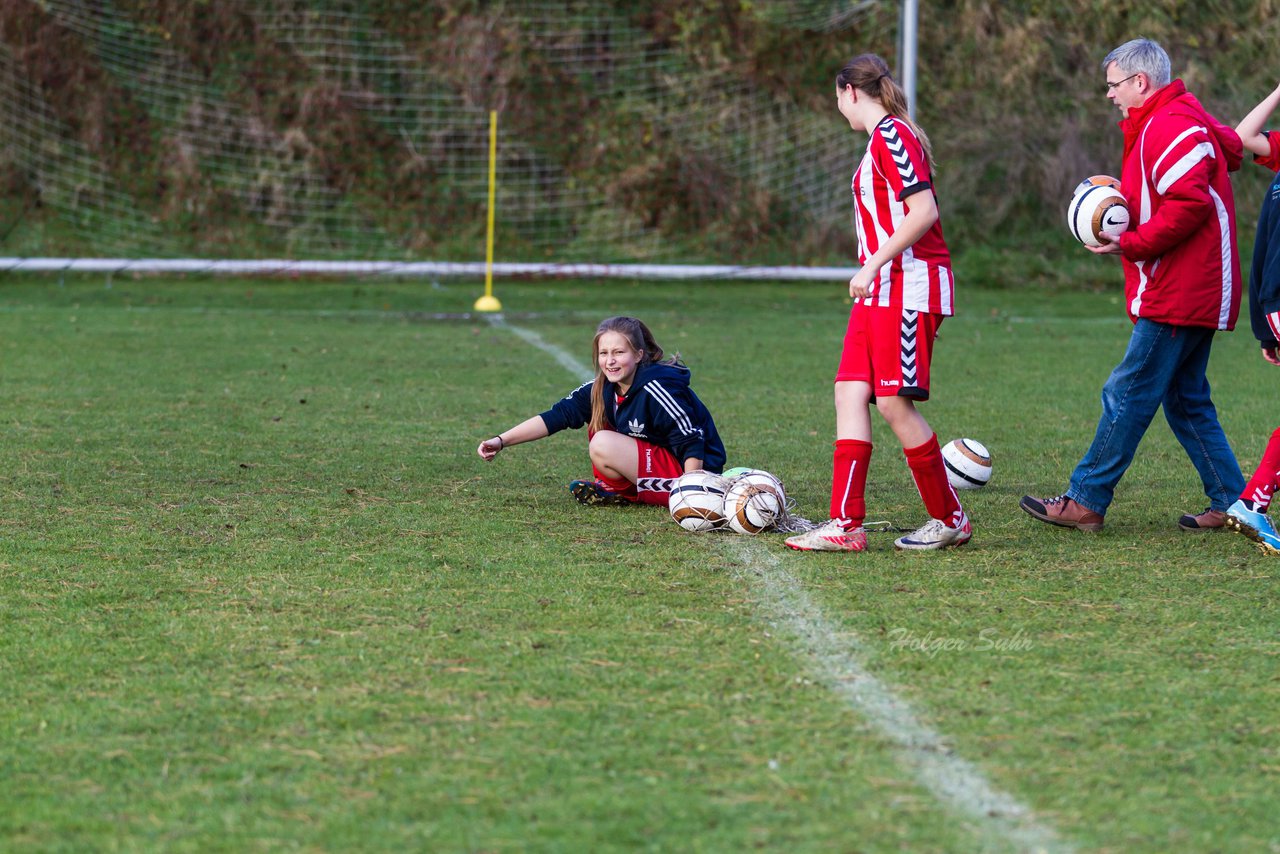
(836, 658)
(474, 269)
(322, 313)
(533, 339)
(421, 316)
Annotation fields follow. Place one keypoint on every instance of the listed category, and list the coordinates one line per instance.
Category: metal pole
(910, 28)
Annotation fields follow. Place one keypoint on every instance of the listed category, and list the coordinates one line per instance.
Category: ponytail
(869, 73)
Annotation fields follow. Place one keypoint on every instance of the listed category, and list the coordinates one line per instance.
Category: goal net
(388, 157)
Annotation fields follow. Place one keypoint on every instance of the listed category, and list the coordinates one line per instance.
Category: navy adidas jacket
(1264, 278)
(659, 408)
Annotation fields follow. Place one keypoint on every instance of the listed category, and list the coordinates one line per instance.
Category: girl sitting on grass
(645, 426)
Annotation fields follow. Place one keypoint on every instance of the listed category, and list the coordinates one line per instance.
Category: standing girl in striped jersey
(901, 295)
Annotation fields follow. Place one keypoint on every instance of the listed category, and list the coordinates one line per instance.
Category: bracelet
(501, 443)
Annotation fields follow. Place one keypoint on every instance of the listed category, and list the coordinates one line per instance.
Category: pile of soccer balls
(748, 501)
(743, 500)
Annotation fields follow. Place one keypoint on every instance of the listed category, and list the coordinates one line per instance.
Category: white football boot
(830, 537)
(936, 535)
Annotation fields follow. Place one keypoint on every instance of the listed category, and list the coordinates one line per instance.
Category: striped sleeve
(686, 438)
(1186, 153)
(1181, 166)
(900, 158)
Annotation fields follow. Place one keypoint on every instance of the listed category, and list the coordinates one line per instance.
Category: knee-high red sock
(930, 474)
(849, 481)
(1266, 477)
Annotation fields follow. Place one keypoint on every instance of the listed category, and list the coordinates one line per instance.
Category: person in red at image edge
(1182, 286)
(1248, 514)
(901, 295)
(645, 426)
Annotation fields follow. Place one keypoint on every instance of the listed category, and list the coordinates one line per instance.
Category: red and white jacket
(1181, 265)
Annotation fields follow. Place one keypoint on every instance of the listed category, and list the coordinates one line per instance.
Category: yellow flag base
(488, 302)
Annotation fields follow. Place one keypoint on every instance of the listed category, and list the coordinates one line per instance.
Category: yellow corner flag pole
(489, 302)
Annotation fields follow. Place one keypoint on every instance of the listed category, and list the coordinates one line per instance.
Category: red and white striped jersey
(893, 169)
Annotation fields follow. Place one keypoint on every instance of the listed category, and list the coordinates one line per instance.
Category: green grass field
(259, 593)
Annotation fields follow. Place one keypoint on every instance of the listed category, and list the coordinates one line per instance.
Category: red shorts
(656, 468)
(656, 462)
(656, 473)
(889, 348)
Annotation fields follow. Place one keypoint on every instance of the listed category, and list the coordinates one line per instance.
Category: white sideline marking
(562, 356)
(836, 659)
(421, 316)
(286, 267)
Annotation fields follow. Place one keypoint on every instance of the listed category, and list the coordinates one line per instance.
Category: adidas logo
(636, 428)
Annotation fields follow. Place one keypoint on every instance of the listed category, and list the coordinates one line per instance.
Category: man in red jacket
(1182, 284)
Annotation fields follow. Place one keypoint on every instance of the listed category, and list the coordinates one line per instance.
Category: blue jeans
(1164, 365)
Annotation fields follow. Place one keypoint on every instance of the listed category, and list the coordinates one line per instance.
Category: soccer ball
(968, 464)
(1097, 209)
(697, 501)
(1095, 181)
(754, 501)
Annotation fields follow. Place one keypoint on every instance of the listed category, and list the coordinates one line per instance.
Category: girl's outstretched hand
(489, 448)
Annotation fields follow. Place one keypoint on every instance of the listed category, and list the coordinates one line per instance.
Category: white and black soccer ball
(968, 463)
(1094, 181)
(751, 508)
(754, 501)
(1097, 207)
(696, 501)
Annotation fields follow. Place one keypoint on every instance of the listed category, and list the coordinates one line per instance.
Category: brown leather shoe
(1209, 520)
(1062, 511)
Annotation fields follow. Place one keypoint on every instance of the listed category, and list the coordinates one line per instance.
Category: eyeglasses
(1111, 86)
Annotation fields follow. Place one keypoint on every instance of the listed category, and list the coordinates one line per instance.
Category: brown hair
(870, 74)
(640, 339)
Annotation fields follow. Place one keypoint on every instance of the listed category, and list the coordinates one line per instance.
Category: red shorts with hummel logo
(657, 462)
(889, 348)
(656, 471)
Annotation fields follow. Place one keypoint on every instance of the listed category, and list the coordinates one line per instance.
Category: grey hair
(1141, 56)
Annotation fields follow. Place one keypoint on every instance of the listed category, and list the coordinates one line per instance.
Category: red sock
(930, 475)
(615, 484)
(1266, 477)
(849, 481)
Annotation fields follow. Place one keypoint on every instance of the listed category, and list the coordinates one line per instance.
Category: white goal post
(787, 152)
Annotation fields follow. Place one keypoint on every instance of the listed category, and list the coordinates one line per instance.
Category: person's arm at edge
(1250, 127)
